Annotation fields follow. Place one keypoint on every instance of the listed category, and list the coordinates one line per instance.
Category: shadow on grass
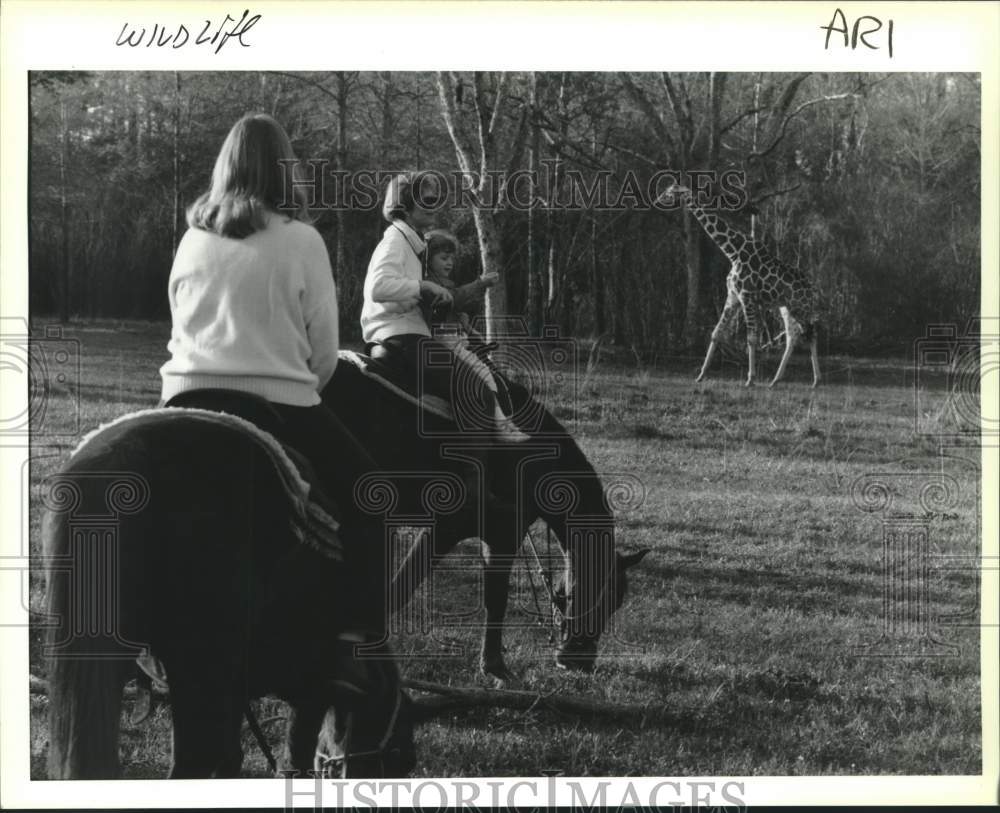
(762, 588)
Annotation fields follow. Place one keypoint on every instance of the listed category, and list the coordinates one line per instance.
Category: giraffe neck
(726, 238)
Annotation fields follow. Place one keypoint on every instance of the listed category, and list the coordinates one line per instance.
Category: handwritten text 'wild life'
(162, 36)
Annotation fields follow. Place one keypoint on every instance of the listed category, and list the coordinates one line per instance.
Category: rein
(324, 761)
(545, 573)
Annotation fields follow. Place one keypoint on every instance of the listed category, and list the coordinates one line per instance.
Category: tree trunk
(64, 215)
(490, 255)
(339, 253)
(385, 137)
(556, 294)
(534, 296)
(693, 337)
(479, 160)
(385, 140)
(596, 278)
(616, 290)
(176, 234)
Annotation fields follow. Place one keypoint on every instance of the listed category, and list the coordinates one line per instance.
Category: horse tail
(85, 684)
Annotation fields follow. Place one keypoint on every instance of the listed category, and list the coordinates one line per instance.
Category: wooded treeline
(871, 182)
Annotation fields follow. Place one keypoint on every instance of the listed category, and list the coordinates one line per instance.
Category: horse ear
(632, 559)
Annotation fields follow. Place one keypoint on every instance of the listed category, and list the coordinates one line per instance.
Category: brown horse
(546, 478)
(175, 537)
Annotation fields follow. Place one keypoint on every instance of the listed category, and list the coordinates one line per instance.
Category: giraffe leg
(814, 353)
(792, 331)
(750, 312)
(728, 312)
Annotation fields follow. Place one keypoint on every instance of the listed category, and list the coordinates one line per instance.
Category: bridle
(323, 762)
(557, 617)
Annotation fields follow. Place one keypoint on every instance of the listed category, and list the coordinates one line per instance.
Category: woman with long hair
(254, 312)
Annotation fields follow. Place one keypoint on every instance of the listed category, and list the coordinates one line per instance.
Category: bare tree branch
(776, 193)
(450, 698)
(725, 128)
(716, 92)
(632, 154)
(497, 95)
(320, 87)
(652, 116)
(516, 152)
(788, 94)
(483, 118)
(676, 103)
(446, 93)
(784, 125)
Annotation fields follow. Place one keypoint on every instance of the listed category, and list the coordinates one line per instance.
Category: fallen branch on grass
(446, 699)
(453, 698)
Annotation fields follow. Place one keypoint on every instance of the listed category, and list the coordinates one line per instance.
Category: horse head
(370, 736)
(578, 641)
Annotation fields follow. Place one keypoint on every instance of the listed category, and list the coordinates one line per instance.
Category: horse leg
(416, 566)
(496, 583)
(305, 719)
(207, 718)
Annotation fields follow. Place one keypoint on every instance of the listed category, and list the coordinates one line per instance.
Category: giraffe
(756, 281)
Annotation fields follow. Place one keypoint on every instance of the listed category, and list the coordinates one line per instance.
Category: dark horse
(176, 537)
(546, 478)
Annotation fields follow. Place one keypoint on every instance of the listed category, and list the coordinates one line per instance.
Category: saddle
(385, 368)
(258, 411)
(244, 405)
(385, 365)
(311, 513)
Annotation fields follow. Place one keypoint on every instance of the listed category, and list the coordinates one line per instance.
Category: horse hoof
(498, 674)
(575, 663)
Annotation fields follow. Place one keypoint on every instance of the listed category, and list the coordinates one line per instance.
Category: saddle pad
(310, 521)
(386, 376)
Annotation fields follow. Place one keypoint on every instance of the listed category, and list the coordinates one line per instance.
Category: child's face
(443, 263)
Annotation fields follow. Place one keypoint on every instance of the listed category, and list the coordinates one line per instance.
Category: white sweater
(257, 314)
(392, 286)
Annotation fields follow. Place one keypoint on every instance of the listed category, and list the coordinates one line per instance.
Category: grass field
(743, 623)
